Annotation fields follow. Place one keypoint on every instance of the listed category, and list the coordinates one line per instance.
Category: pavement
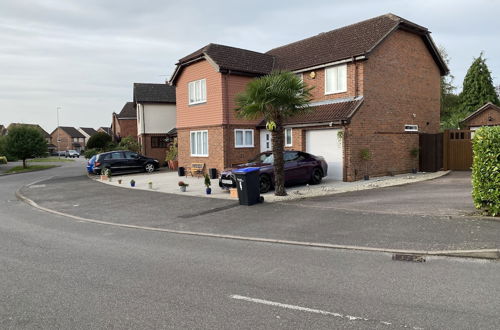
(58, 273)
(167, 182)
(427, 216)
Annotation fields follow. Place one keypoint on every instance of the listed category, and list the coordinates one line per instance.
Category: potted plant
(108, 174)
(182, 186)
(208, 183)
(132, 183)
(150, 184)
(415, 153)
(365, 156)
(119, 181)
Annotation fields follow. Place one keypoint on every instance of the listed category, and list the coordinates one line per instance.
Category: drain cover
(408, 257)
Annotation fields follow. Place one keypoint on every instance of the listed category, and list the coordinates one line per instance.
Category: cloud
(85, 55)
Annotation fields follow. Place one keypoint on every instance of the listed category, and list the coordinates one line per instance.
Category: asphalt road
(59, 273)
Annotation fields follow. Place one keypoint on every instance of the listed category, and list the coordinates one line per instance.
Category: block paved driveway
(446, 196)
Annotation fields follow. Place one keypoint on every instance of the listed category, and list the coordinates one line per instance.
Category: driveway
(446, 196)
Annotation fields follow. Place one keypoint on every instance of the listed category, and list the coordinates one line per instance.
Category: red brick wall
(149, 151)
(354, 82)
(128, 127)
(482, 118)
(204, 114)
(401, 86)
(65, 140)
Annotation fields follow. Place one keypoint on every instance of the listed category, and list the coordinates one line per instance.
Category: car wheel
(149, 168)
(317, 176)
(265, 183)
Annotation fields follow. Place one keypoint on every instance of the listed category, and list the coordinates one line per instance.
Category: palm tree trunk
(279, 162)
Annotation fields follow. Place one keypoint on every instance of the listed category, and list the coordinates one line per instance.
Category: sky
(83, 56)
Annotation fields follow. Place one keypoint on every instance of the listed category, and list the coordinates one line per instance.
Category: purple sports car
(300, 167)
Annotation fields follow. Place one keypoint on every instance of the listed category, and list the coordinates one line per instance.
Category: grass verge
(50, 160)
(30, 168)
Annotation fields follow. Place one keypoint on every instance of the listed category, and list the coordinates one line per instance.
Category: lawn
(30, 168)
(50, 160)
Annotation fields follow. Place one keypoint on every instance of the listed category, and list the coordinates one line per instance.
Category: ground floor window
(199, 143)
(288, 137)
(159, 141)
(243, 138)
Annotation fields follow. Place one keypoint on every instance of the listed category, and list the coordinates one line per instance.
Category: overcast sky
(84, 55)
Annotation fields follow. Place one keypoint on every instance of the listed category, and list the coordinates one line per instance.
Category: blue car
(90, 165)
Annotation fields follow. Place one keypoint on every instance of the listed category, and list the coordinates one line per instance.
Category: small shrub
(129, 143)
(486, 170)
(89, 153)
(99, 140)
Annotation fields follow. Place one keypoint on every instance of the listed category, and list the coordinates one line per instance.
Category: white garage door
(326, 143)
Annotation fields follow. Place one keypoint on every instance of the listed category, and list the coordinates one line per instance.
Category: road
(60, 273)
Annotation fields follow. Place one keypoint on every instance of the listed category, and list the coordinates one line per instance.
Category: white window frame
(199, 89)
(411, 128)
(245, 143)
(291, 137)
(334, 70)
(197, 153)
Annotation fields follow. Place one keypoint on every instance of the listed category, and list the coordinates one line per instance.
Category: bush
(486, 170)
(91, 152)
(129, 143)
(99, 140)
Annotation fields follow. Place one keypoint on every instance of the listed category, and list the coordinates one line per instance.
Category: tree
(99, 140)
(25, 142)
(450, 110)
(129, 143)
(275, 97)
(478, 87)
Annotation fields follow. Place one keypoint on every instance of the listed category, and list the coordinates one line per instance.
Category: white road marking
(313, 310)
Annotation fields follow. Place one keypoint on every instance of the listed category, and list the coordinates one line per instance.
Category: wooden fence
(457, 150)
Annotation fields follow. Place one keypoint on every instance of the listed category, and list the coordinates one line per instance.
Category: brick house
(124, 123)
(487, 115)
(106, 130)
(87, 132)
(376, 86)
(155, 107)
(69, 139)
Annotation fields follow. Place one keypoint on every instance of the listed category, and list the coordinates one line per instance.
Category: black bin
(247, 183)
(212, 172)
(180, 171)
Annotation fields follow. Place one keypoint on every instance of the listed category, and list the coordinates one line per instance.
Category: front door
(265, 140)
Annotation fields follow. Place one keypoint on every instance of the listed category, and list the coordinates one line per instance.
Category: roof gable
(89, 130)
(482, 109)
(154, 93)
(71, 131)
(128, 111)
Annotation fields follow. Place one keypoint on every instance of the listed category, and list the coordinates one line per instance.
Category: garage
(328, 144)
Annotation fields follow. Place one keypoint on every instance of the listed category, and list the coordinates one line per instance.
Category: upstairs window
(336, 79)
(197, 91)
(243, 138)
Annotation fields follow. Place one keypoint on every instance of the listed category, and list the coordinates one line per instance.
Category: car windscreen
(266, 158)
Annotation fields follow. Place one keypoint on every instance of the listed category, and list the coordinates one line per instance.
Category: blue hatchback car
(90, 165)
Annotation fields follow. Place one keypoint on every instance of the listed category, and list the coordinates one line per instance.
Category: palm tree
(276, 96)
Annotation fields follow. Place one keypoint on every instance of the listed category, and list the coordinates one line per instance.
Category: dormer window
(197, 91)
(336, 79)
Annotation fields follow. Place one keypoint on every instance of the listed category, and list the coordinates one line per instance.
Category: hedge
(486, 170)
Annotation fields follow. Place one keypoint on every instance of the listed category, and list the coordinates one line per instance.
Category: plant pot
(104, 178)
(366, 177)
(414, 170)
(209, 191)
(150, 185)
(174, 164)
(132, 184)
(183, 188)
(119, 181)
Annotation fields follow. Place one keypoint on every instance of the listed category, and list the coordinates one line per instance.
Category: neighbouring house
(68, 138)
(106, 130)
(376, 87)
(87, 132)
(156, 118)
(51, 148)
(124, 123)
(487, 115)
